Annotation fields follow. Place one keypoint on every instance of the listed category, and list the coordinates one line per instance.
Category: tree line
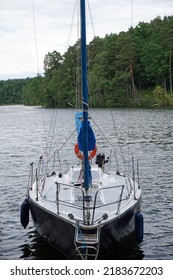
(11, 91)
(132, 68)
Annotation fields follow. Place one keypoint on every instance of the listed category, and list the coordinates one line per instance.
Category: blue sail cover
(91, 138)
(80, 130)
(78, 120)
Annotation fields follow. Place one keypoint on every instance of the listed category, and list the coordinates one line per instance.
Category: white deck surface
(105, 193)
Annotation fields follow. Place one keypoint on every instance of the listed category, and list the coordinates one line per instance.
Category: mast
(84, 94)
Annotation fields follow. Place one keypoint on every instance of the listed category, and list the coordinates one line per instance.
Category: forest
(133, 68)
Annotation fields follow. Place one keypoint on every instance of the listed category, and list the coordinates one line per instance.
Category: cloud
(52, 21)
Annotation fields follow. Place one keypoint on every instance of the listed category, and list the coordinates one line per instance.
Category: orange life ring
(79, 154)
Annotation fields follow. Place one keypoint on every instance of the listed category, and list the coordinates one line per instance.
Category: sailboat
(89, 210)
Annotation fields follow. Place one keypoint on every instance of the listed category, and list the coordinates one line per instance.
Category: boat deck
(63, 194)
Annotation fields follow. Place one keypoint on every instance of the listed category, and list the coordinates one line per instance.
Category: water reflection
(129, 251)
(37, 248)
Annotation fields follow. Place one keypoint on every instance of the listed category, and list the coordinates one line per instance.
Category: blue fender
(24, 213)
(139, 226)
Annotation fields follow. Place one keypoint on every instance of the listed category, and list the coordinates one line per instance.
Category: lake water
(147, 134)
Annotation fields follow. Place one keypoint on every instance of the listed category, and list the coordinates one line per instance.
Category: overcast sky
(52, 21)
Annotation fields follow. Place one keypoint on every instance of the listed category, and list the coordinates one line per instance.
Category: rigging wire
(93, 29)
(35, 36)
(117, 138)
(129, 113)
(78, 84)
(57, 151)
(38, 71)
(48, 136)
(91, 18)
(107, 139)
(77, 11)
(71, 26)
(51, 131)
(45, 134)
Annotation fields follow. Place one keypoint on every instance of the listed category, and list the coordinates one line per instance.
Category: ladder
(87, 243)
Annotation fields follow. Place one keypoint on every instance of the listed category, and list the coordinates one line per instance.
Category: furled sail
(81, 133)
